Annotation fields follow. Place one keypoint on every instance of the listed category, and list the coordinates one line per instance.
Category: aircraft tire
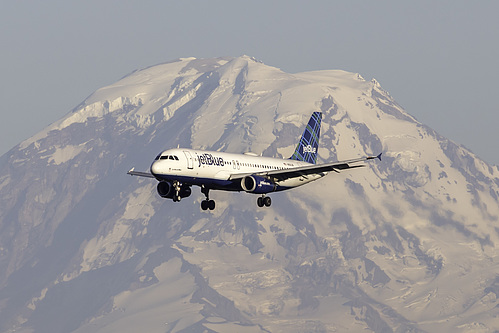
(259, 202)
(204, 204)
(211, 204)
(267, 201)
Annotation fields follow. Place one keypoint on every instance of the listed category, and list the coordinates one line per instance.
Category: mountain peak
(375, 83)
(403, 244)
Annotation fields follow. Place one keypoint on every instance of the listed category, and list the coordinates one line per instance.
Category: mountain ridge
(405, 244)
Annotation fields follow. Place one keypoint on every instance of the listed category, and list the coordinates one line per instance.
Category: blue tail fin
(307, 148)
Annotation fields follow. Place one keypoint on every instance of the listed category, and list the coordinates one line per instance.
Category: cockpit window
(157, 157)
(168, 157)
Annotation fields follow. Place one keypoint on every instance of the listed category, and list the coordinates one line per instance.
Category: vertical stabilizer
(307, 148)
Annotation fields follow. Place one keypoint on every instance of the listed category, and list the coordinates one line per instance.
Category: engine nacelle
(166, 190)
(185, 191)
(256, 184)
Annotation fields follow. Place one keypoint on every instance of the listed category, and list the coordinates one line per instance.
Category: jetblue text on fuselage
(209, 159)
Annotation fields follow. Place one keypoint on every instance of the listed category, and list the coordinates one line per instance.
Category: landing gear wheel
(211, 204)
(259, 202)
(208, 204)
(267, 201)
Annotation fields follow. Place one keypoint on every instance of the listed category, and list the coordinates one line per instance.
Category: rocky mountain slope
(406, 244)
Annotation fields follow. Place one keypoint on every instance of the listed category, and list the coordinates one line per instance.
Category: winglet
(132, 172)
(373, 157)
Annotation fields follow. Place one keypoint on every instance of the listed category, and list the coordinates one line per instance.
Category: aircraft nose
(155, 168)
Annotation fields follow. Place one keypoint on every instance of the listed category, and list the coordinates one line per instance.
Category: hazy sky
(438, 59)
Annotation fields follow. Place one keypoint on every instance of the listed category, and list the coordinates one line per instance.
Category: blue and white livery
(179, 169)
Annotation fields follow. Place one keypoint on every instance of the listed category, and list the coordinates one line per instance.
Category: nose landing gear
(264, 201)
(176, 195)
(207, 204)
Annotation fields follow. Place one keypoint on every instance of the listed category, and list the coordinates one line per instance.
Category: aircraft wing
(132, 172)
(280, 175)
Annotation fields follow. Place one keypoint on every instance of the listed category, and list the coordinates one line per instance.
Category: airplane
(178, 169)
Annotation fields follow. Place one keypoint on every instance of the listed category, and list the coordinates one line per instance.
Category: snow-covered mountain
(406, 244)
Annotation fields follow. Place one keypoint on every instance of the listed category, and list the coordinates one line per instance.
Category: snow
(159, 308)
(113, 247)
(65, 154)
(32, 304)
(405, 243)
(4, 181)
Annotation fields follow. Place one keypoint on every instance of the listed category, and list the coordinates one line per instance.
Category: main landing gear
(263, 201)
(207, 204)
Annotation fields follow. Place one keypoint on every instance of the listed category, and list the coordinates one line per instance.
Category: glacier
(406, 244)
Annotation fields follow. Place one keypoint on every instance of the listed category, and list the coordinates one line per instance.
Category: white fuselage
(199, 167)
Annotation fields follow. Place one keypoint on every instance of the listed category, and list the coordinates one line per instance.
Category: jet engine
(166, 190)
(257, 184)
(185, 191)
